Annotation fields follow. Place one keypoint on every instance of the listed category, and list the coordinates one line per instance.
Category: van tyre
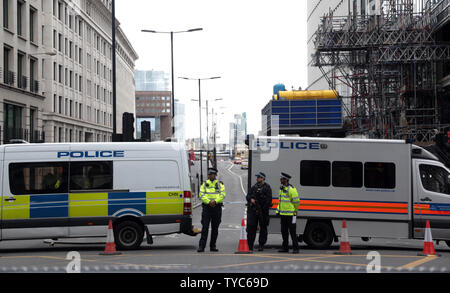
(128, 235)
(318, 235)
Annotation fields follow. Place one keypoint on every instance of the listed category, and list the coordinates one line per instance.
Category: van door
(35, 193)
(432, 198)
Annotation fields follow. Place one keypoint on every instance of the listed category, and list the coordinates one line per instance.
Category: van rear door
(432, 198)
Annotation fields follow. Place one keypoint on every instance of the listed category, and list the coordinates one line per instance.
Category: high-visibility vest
(212, 190)
(288, 201)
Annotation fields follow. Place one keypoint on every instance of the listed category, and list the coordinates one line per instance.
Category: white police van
(52, 191)
(383, 188)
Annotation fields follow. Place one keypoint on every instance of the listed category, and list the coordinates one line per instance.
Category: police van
(383, 188)
(53, 191)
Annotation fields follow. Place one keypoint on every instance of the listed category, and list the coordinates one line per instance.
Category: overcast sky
(251, 44)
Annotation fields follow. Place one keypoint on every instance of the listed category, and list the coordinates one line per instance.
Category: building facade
(156, 107)
(238, 133)
(22, 97)
(57, 55)
(79, 98)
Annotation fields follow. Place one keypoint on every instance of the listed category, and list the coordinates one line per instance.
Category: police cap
(285, 176)
(261, 174)
(212, 171)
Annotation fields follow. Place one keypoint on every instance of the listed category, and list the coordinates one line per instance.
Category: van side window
(315, 173)
(38, 178)
(379, 175)
(435, 179)
(347, 174)
(91, 175)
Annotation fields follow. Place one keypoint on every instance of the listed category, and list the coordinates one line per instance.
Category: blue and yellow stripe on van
(345, 206)
(80, 205)
(432, 209)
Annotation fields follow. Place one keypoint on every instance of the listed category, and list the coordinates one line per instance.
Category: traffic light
(128, 126)
(146, 132)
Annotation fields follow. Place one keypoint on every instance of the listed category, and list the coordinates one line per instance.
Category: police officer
(287, 209)
(212, 194)
(259, 201)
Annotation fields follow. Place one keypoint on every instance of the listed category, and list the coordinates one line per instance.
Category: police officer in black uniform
(259, 201)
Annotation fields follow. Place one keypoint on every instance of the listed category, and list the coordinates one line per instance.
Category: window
(21, 79)
(38, 178)
(54, 39)
(6, 13)
(379, 175)
(33, 24)
(347, 174)
(60, 11)
(315, 173)
(60, 72)
(12, 119)
(91, 175)
(60, 42)
(435, 178)
(19, 17)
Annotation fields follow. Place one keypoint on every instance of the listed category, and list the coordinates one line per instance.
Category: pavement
(177, 253)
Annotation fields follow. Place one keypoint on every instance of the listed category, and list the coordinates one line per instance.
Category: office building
(57, 71)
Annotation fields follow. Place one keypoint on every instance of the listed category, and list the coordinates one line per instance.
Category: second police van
(383, 188)
(52, 191)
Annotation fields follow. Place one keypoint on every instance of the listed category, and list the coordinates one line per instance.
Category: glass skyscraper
(151, 80)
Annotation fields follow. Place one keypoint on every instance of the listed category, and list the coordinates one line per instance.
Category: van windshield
(435, 178)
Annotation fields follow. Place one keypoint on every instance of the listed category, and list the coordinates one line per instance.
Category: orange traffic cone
(428, 247)
(243, 243)
(110, 248)
(344, 248)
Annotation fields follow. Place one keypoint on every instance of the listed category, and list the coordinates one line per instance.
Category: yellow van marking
(18, 209)
(88, 205)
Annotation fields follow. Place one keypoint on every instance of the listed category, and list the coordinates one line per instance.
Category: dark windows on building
(20, 9)
(6, 13)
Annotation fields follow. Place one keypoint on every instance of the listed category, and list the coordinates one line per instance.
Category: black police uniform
(258, 214)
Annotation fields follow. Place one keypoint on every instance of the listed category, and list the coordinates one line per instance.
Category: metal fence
(8, 134)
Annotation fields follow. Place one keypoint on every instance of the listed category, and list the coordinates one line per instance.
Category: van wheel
(128, 235)
(318, 235)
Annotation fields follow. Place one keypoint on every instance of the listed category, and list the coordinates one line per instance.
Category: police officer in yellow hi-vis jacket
(212, 194)
(287, 209)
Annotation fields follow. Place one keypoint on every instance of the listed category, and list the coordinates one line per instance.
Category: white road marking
(240, 179)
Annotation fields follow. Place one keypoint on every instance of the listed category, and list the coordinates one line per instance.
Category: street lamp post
(114, 70)
(214, 131)
(172, 66)
(200, 114)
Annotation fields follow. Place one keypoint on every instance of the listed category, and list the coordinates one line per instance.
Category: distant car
(237, 161)
(244, 164)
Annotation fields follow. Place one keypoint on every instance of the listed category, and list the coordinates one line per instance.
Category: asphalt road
(177, 253)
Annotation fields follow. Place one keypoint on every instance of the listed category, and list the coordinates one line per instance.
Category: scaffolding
(389, 61)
